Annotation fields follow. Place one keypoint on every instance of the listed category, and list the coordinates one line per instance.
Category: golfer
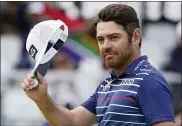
(135, 93)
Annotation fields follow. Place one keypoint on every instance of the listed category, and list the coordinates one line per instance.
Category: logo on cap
(62, 27)
(33, 51)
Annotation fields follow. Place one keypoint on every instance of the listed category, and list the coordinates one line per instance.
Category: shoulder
(152, 79)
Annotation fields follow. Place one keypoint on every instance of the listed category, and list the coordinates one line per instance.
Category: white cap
(44, 41)
(178, 29)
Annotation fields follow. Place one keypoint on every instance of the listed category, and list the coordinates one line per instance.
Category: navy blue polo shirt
(139, 96)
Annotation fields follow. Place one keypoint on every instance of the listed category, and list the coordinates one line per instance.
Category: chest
(117, 101)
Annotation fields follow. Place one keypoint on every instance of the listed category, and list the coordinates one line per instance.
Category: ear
(136, 37)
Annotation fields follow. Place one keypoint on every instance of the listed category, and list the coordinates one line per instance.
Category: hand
(39, 93)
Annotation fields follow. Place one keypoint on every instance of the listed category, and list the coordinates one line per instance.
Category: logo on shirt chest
(127, 81)
(108, 84)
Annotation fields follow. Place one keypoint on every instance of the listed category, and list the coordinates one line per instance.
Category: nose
(106, 45)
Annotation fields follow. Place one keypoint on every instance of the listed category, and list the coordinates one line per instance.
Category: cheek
(123, 48)
(120, 47)
(101, 51)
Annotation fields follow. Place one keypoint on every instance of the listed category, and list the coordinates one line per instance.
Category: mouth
(109, 55)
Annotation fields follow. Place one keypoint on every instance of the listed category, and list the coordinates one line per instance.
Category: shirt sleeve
(90, 104)
(155, 100)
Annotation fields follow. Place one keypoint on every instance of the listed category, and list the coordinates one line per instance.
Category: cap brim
(43, 68)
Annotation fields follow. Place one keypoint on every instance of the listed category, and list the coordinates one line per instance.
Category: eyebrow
(112, 34)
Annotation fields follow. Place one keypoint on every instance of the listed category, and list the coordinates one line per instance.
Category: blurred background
(77, 69)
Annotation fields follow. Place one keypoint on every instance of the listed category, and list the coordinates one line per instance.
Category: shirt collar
(132, 69)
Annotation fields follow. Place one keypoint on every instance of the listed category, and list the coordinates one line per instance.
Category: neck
(128, 62)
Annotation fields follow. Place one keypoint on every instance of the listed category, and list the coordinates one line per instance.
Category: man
(136, 94)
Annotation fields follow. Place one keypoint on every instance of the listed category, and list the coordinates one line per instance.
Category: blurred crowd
(77, 69)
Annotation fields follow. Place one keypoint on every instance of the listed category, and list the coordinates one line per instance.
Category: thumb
(40, 78)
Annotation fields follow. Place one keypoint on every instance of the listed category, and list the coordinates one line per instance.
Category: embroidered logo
(108, 84)
(33, 51)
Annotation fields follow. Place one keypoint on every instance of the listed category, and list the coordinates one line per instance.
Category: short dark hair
(121, 14)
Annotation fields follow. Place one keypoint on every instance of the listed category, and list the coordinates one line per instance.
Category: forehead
(107, 28)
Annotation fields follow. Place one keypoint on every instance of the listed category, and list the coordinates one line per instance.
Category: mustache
(109, 51)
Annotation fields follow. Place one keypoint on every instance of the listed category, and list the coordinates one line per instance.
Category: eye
(100, 40)
(114, 38)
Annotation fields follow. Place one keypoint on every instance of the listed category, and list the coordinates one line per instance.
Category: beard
(119, 59)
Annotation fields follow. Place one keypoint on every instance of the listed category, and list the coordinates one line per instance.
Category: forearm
(56, 116)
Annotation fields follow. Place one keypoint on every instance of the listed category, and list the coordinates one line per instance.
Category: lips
(109, 54)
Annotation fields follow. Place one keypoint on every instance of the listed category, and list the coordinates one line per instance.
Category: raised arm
(55, 115)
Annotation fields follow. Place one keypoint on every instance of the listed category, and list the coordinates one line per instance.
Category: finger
(24, 86)
(30, 78)
(27, 84)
